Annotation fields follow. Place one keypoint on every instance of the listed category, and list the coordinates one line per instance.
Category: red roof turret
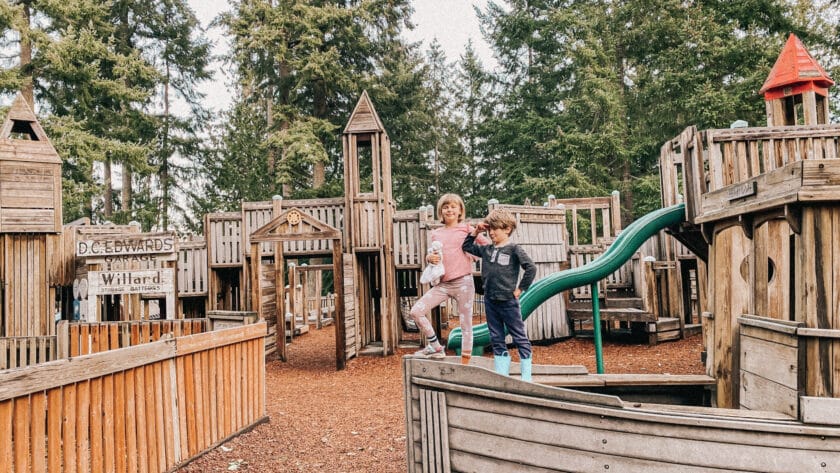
(795, 71)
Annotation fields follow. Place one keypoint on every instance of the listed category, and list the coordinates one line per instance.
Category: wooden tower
(770, 213)
(796, 91)
(30, 219)
(368, 227)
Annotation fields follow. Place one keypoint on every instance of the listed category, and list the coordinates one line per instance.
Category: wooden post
(338, 286)
(731, 300)
(280, 301)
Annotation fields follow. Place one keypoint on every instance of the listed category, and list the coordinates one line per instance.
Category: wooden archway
(295, 225)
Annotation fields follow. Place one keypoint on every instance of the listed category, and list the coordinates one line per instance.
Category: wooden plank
(772, 361)
(217, 338)
(160, 428)
(21, 434)
(97, 460)
(68, 428)
(141, 421)
(189, 400)
(180, 364)
(820, 410)
(769, 396)
(131, 432)
(54, 419)
(82, 413)
(63, 372)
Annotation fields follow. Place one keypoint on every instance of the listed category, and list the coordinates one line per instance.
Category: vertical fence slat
(132, 458)
(183, 442)
(6, 424)
(82, 425)
(166, 406)
(97, 452)
(68, 428)
(21, 433)
(54, 410)
(160, 429)
(120, 418)
(38, 432)
(140, 419)
(108, 434)
(211, 386)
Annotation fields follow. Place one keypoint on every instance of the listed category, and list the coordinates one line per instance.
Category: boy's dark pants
(501, 314)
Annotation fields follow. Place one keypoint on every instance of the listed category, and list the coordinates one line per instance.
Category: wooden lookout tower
(765, 200)
(368, 227)
(30, 217)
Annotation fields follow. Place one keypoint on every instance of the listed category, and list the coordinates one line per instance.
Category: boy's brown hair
(500, 219)
(451, 199)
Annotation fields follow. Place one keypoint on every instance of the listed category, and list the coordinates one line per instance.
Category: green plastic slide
(622, 249)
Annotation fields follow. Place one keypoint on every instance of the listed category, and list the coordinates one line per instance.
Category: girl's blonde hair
(451, 199)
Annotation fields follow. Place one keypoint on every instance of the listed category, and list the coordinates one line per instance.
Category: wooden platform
(467, 418)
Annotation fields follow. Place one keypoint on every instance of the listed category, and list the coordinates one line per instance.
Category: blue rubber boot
(501, 364)
(525, 367)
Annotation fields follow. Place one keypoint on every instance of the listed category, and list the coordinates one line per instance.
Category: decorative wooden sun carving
(293, 217)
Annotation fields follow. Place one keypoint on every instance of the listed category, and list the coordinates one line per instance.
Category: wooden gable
(294, 224)
(364, 118)
(30, 174)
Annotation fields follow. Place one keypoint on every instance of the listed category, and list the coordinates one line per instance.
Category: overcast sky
(452, 22)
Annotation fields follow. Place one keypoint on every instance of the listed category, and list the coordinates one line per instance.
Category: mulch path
(353, 420)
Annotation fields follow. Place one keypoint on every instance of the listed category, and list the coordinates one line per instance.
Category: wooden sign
(742, 190)
(130, 244)
(150, 281)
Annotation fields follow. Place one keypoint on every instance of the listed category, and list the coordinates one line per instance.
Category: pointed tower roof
(795, 70)
(28, 140)
(21, 119)
(364, 118)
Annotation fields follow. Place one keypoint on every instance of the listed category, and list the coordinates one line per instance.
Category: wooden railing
(192, 267)
(600, 215)
(75, 338)
(19, 352)
(148, 408)
(702, 162)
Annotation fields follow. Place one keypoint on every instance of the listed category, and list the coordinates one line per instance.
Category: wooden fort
(761, 216)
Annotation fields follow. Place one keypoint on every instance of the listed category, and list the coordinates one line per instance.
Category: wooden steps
(627, 314)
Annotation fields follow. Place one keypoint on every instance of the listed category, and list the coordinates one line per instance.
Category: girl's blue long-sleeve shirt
(500, 268)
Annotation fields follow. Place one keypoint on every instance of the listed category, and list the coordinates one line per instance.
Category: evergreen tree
(597, 86)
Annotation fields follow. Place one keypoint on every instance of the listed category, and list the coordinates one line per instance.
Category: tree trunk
(108, 198)
(27, 87)
(165, 155)
(318, 171)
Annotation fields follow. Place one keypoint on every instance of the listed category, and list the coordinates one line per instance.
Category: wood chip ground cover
(353, 420)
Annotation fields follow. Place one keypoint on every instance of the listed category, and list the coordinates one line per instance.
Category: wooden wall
(28, 298)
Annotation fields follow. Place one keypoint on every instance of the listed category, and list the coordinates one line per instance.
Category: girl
(457, 280)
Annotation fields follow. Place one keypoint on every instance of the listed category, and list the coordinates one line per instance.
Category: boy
(500, 263)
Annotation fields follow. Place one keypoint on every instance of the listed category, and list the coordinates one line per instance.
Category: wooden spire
(21, 120)
(795, 72)
(364, 118)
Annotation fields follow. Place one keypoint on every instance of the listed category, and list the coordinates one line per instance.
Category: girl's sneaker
(430, 352)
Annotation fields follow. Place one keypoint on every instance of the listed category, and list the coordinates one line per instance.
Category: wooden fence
(75, 339)
(19, 352)
(144, 408)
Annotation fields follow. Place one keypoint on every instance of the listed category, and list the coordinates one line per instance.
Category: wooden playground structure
(758, 207)
(156, 322)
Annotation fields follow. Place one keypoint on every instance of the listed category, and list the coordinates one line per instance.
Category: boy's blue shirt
(500, 268)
